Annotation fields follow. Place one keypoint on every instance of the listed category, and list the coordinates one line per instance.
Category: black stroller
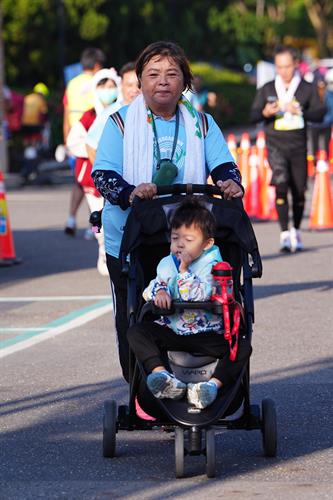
(146, 240)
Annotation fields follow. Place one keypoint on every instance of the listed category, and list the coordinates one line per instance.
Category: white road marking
(23, 329)
(54, 331)
(54, 298)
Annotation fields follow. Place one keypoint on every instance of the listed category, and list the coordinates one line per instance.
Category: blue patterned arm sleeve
(227, 171)
(113, 187)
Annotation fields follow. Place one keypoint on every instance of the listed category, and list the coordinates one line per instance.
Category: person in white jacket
(105, 89)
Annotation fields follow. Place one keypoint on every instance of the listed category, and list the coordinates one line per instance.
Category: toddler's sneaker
(285, 245)
(201, 394)
(295, 240)
(165, 385)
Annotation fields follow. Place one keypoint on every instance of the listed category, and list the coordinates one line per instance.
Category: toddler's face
(189, 240)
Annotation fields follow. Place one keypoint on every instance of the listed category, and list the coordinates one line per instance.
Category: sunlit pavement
(53, 390)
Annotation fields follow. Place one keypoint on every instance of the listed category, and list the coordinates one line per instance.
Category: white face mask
(107, 96)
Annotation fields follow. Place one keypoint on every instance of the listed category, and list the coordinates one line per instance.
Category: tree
(320, 13)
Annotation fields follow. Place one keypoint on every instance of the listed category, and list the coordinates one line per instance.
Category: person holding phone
(285, 105)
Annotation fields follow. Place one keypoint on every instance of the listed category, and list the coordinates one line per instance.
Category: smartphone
(271, 99)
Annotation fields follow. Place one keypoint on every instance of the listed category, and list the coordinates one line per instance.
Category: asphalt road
(59, 363)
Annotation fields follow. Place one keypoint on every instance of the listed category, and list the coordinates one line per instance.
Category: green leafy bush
(235, 93)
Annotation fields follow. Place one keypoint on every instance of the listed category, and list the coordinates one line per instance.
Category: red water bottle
(224, 295)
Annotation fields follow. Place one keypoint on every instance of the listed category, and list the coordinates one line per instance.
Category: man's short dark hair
(92, 56)
(283, 49)
(165, 49)
(193, 211)
(126, 68)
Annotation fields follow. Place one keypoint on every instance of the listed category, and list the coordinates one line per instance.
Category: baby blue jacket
(192, 286)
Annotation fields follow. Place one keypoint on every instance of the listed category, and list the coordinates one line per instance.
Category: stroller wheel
(109, 428)
(210, 453)
(269, 427)
(179, 452)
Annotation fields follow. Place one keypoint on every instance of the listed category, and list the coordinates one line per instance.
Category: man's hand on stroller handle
(163, 300)
(145, 191)
(230, 189)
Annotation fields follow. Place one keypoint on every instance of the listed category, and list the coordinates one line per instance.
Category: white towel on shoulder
(138, 144)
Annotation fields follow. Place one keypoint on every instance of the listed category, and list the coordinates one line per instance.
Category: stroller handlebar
(184, 189)
(189, 189)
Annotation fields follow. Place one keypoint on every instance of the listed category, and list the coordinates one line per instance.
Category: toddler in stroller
(186, 275)
(187, 381)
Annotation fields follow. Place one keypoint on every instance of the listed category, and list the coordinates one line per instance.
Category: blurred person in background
(285, 105)
(105, 90)
(128, 91)
(35, 110)
(199, 96)
(13, 111)
(78, 98)
(321, 132)
(35, 130)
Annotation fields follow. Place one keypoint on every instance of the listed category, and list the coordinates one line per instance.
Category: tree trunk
(318, 13)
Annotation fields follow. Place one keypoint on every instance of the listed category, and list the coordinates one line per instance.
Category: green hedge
(235, 93)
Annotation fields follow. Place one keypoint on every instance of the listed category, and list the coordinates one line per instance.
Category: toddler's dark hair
(193, 211)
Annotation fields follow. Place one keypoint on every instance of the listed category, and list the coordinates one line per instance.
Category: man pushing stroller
(186, 275)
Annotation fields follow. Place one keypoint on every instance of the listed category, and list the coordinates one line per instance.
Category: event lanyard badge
(166, 171)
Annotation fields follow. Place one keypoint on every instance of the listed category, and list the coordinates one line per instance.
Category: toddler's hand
(185, 260)
(163, 300)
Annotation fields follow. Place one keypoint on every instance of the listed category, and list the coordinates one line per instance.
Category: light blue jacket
(192, 286)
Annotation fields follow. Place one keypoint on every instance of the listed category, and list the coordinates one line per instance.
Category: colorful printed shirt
(192, 286)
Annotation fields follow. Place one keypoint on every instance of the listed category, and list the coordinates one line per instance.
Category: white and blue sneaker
(165, 385)
(285, 244)
(201, 394)
(295, 240)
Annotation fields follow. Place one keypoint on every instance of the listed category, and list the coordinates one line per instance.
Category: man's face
(129, 86)
(285, 66)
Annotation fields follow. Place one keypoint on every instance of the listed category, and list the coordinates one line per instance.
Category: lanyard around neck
(175, 138)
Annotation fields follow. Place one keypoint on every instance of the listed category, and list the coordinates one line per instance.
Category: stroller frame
(200, 436)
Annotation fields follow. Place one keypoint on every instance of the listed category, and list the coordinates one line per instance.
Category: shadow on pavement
(264, 291)
(63, 442)
(49, 251)
(307, 250)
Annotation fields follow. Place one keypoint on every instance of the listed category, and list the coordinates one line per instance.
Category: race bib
(288, 121)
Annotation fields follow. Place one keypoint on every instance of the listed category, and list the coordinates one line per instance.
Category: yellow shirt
(79, 97)
(34, 109)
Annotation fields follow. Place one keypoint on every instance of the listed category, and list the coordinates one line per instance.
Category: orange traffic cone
(321, 216)
(244, 152)
(7, 250)
(264, 177)
(273, 215)
(252, 189)
(330, 152)
(261, 148)
(232, 145)
(311, 165)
